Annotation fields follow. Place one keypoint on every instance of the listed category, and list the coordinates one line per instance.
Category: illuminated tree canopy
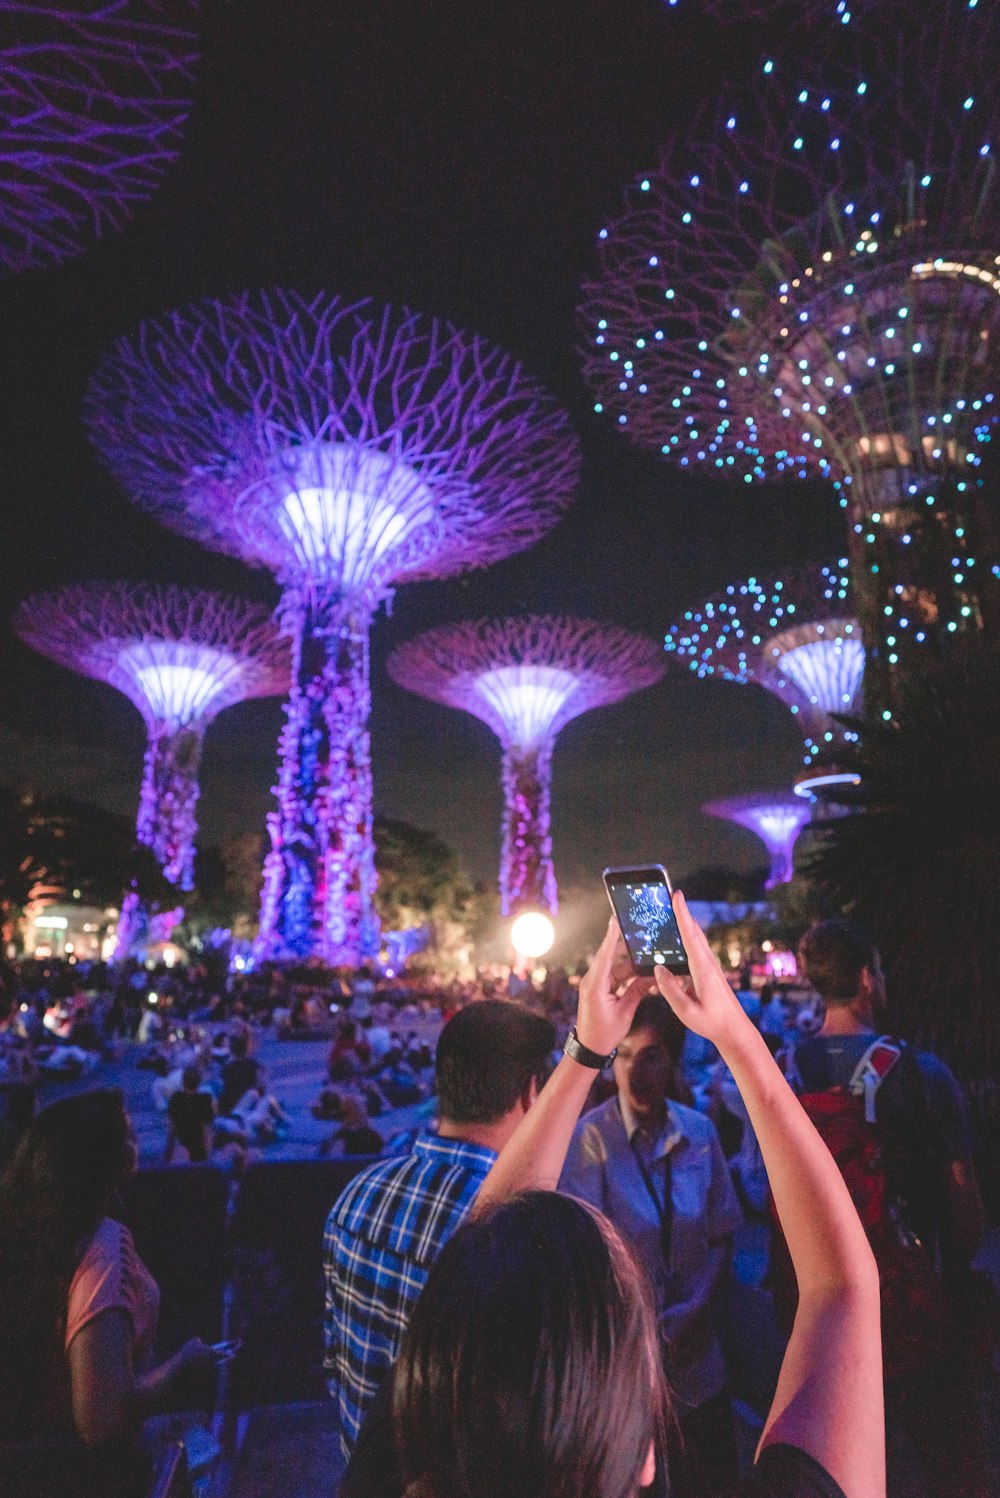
(526, 678)
(808, 284)
(93, 97)
(181, 657)
(776, 818)
(794, 635)
(347, 447)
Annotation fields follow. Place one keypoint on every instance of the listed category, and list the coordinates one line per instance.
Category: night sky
(458, 156)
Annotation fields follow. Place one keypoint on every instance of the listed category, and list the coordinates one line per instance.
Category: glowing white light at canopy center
(828, 672)
(527, 699)
(349, 509)
(178, 682)
(778, 825)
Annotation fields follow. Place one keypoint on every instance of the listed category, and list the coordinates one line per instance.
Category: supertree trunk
(914, 542)
(166, 822)
(527, 877)
(319, 877)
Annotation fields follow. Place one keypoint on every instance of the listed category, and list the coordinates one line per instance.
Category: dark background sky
(459, 156)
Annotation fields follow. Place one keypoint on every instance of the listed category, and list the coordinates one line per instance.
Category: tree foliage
(917, 860)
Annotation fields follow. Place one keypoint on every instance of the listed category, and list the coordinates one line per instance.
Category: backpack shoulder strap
(872, 1070)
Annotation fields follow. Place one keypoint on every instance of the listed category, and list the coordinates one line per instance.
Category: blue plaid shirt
(382, 1236)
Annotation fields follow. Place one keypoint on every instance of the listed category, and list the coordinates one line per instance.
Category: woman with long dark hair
(78, 1308)
(531, 1365)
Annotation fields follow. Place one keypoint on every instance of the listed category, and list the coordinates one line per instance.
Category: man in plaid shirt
(392, 1221)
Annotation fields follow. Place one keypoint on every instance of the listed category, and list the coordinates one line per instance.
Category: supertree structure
(93, 96)
(181, 657)
(347, 447)
(809, 285)
(777, 819)
(795, 636)
(526, 678)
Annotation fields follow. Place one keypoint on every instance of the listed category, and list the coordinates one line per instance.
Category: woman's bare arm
(829, 1396)
(108, 1397)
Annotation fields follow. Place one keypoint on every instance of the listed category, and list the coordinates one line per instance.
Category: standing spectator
(897, 1124)
(656, 1169)
(78, 1308)
(388, 1227)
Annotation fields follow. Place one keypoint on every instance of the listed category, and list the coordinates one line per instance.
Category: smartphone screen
(640, 899)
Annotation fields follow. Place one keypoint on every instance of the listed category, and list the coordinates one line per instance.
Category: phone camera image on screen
(648, 924)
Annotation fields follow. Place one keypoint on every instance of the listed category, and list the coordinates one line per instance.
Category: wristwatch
(576, 1051)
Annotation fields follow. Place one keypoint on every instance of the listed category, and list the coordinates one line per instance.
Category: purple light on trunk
(181, 657)
(527, 678)
(93, 97)
(348, 448)
(776, 819)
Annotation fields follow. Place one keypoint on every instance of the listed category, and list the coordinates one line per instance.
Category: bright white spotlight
(532, 934)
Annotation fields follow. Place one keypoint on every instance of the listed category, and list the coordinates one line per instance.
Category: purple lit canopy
(526, 678)
(181, 657)
(795, 636)
(93, 96)
(347, 447)
(777, 819)
(808, 285)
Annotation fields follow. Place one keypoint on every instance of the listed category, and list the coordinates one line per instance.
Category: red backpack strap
(872, 1070)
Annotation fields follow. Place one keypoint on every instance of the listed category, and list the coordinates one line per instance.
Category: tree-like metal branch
(347, 447)
(93, 97)
(527, 678)
(181, 657)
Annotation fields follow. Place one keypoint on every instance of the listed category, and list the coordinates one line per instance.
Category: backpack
(917, 1325)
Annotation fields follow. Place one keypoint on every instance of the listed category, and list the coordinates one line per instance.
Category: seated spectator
(531, 1364)
(78, 1308)
(18, 1076)
(191, 1115)
(240, 1074)
(355, 1135)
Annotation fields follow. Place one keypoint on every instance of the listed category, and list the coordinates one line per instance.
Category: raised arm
(829, 1396)
(532, 1159)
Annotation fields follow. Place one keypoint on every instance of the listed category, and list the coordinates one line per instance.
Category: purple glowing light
(93, 97)
(180, 657)
(776, 819)
(526, 678)
(348, 448)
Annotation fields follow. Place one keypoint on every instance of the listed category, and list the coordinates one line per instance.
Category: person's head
(842, 963)
(54, 1192)
(531, 1364)
(648, 1057)
(492, 1057)
(238, 1044)
(191, 1078)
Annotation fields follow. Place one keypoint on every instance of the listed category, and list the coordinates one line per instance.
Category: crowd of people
(524, 1293)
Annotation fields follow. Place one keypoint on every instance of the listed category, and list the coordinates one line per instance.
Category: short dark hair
(191, 1078)
(654, 1013)
(238, 1045)
(534, 1316)
(835, 954)
(487, 1054)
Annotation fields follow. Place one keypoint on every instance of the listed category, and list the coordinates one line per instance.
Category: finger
(671, 988)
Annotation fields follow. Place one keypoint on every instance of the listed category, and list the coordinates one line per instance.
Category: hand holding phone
(641, 899)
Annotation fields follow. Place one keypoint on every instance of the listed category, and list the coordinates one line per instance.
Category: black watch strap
(584, 1055)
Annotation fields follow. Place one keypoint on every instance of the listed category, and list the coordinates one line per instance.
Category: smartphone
(641, 900)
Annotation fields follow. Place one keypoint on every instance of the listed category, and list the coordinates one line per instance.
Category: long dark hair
(53, 1195)
(531, 1363)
